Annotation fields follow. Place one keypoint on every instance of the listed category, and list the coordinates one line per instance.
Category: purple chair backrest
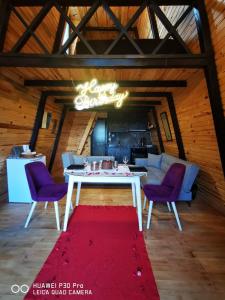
(37, 177)
(174, 178)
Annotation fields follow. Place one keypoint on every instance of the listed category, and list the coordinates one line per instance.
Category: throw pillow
(154, 160)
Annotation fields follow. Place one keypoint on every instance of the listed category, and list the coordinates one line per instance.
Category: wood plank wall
(216, 15)
(198, 133)
(18, 109)
(46, 136)
(170, 147)
(195, 118)
(57, 170)
(80, 121)
(72, 132)
(18, 106)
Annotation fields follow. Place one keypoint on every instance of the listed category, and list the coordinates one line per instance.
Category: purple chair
(168, 191)
(43, 189)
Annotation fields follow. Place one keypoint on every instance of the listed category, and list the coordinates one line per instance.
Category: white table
(122, 175)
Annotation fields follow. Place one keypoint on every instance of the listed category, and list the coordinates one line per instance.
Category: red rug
(102, 256)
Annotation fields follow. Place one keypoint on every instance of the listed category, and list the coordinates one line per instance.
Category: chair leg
(149, 213)
(168, 205)
(133, 194)
(71, 205)
(46, 205)
(176, 215)
(145, 200)
(57, 214)
(30, 214)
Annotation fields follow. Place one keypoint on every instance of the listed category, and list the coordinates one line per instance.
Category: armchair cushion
(142, 162)
(162, 193)
(190, 173)
(154, 160)
(155, 176)
(52, 192)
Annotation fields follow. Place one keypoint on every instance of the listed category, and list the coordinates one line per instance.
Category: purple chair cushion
(157, 192)
(52, 192)
(41, 184)
(170, 187)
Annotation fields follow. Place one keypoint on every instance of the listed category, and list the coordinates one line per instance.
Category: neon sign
(92, 94)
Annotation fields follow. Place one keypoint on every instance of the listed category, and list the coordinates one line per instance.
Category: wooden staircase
(87, 132)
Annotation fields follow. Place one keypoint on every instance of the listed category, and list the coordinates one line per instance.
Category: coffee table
(120, 175)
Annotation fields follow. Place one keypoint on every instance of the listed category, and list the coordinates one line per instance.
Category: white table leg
(133, 194)
(78, 193)
(138, 199)
(68, 202)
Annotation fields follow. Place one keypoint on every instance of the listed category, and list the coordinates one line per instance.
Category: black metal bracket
(122, 83)
(57, 138)
(5, 11)
(38, 120)
(176, 126)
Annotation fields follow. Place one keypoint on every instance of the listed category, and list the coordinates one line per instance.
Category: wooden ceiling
(46, 31)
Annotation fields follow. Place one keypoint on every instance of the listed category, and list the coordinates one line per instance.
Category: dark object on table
(107, 164)
(75, 167)
(16, 151)
(138, 169)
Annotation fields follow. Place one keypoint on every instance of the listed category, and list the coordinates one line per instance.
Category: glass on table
(125, 160)
(115, 164)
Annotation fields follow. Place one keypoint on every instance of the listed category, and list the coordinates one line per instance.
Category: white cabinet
(18, 189)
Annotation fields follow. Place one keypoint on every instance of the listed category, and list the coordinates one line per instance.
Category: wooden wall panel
(80, 121)
(198, 133)
(72, 132)
(170, 147)
(18, 107)
(57, 170)
(216, 15)
(46, 137)
(17, 112)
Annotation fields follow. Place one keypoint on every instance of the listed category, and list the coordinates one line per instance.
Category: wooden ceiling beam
(122, 29)
(112, 108)
(105, 29)
(122, 83)
(126, 102)
(5, 11)
(33, 26)
(131, 94)
(60, 31)
(90, 2)
(103, 61)
(153, 23)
